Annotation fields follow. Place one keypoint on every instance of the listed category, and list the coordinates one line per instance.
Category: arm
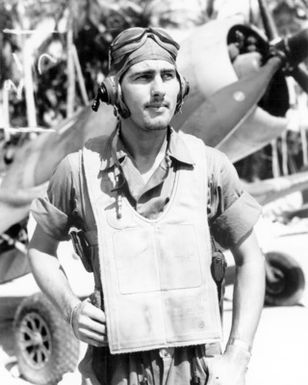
(88, 322)
(249, 283)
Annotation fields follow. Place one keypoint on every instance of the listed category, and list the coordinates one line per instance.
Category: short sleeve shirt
(232, 212)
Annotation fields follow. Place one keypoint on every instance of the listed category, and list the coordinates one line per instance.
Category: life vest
(157, 285)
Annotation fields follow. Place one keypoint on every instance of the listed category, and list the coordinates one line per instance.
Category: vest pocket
(136, 261)
(179, 259)
(164, 257)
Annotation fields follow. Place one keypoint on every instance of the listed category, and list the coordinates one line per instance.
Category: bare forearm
(52, 281)
(48, 273)
(248, 297)
(88, 322)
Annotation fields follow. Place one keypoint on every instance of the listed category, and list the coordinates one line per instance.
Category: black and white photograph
(153, 192)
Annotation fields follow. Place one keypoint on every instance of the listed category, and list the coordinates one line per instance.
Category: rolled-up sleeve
(236, 211)
(53, 211)
(236, 221)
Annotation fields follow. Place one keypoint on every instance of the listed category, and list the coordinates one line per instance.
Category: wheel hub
(35, 339)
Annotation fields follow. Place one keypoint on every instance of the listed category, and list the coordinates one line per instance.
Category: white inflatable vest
(157, 285)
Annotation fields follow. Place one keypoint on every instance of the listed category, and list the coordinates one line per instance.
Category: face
(150, 89)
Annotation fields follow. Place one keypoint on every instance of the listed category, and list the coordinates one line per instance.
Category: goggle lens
(133, 38)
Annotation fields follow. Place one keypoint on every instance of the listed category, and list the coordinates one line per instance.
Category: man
(143, 198)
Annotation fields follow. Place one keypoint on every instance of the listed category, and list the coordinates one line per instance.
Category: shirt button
(166, 353)
(163, 353)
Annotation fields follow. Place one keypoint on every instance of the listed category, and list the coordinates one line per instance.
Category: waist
(208, 349)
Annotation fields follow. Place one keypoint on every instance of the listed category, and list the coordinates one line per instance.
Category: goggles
(132, 39)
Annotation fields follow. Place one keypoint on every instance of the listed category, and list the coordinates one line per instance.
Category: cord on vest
(119, 183)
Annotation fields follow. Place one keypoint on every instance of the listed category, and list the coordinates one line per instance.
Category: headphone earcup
(184, 91)
(111, 93)
(185, 87)
(109, 90)
(120, 104)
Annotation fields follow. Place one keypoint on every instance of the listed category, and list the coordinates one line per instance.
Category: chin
(158, 125)
(155, 127)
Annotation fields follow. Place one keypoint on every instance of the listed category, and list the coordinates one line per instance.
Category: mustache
(157, 104)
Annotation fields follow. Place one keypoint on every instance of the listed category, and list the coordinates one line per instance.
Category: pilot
(145, 206)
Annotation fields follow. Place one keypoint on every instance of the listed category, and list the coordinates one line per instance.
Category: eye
(168, 75)
(143, 77)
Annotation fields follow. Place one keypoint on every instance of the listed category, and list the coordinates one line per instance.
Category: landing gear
(285, 280)
(44, 343)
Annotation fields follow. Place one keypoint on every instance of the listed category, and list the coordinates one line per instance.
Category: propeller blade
(268, 20)
(300, 74)
(293, 48)
(293, 51)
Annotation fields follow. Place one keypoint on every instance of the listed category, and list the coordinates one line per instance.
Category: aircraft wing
(230, 120)
(268, 190)
(35, 161)
(13, 264)
(15, 204)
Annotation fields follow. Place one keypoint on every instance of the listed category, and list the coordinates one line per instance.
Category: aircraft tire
(45, 346)
(285, 280)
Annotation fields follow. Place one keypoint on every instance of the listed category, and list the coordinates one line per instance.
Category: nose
(158, 87)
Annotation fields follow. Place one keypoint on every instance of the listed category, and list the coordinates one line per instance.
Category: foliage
(95, 23)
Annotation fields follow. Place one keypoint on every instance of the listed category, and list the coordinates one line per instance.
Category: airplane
(238, 129)
(222, 71)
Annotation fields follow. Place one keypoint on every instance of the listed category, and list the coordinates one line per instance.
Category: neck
(143, 146)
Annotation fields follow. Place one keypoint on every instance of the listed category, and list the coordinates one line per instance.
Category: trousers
(173, 366)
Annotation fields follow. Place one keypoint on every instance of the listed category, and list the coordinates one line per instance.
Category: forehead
(151, 65)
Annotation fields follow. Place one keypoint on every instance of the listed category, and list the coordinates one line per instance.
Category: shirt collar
(177, 148)
(116, 152)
